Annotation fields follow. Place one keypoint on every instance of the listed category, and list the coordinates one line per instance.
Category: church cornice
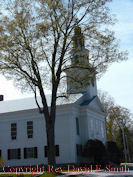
(93, 110)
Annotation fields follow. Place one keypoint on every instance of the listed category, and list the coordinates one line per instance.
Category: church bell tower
(81, 76)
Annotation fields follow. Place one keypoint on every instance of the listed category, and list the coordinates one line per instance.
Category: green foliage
(118, 124)
(114, 153)
(46, 174)
(1, 161)
(95, 149)
(37, 36)
(99, 154)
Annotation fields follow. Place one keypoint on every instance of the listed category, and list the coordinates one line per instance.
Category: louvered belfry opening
(1, 97)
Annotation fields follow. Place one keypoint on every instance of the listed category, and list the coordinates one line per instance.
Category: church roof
(86, 102)
(29, 103)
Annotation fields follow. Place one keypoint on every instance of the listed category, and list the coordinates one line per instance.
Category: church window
(14, 154)
(30, 152)
(77, 125)
(97, 128)
(13, 131)
(102, 129)
(30, 129)
(91, 127)
(56, 150)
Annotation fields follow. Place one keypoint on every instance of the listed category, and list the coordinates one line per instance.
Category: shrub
(95, 149)
(114, 153)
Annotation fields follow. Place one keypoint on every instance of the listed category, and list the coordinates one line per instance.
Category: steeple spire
(78, 39)
(79, 52)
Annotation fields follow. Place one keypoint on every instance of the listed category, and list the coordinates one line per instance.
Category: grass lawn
(46, 174)
(15, 175)
(56, 174)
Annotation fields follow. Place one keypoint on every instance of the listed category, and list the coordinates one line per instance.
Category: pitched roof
(86, 102)
(29, 103)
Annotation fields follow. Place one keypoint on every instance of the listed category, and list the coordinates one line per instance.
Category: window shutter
(19, 154)
(25, 154)
(79, 149)
(8, 154)
(57, 150)
(46, 151)
(77, 125)
(13, 131)
(35, 152)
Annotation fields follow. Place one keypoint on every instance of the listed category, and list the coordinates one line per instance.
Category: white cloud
(9, 91)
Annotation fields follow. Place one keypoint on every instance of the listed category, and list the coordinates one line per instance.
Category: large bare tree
(36, 37)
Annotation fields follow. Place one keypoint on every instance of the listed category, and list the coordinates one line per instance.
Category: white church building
(22, 128)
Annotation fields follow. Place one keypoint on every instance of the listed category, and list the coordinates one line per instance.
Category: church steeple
(78, 78)
(78, 39)
(79, 52)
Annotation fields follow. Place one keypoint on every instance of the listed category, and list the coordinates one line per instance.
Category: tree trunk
(50, 125)
(50, 130)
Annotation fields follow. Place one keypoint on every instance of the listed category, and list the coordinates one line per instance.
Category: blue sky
(118, 80)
